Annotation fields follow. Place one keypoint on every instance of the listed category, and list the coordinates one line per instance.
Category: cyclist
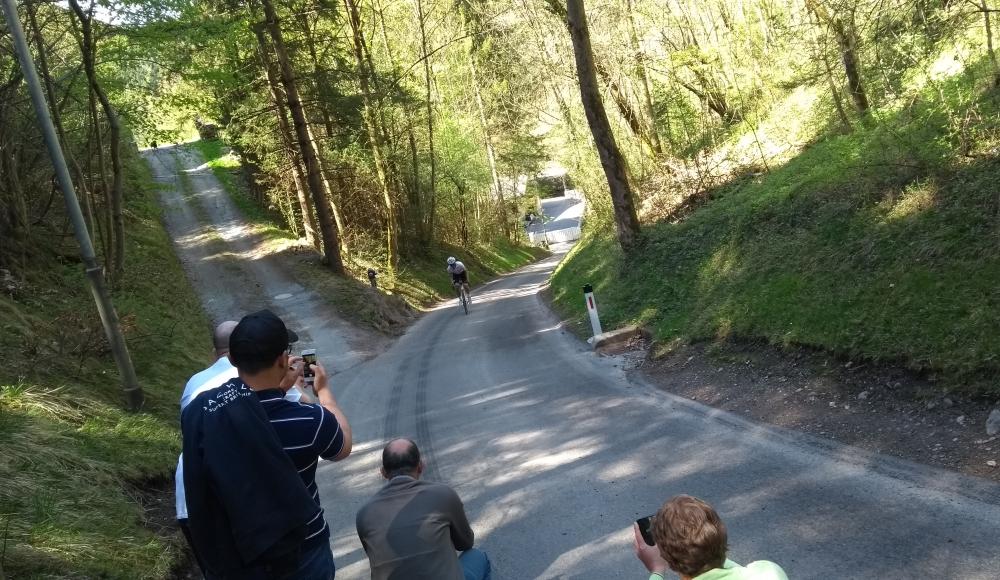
(459, 275)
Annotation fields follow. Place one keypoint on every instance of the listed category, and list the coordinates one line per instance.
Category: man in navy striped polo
(259, 349)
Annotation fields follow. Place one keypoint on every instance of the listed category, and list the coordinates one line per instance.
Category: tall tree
(643, 73)
(116, 194)
(847, 42)
(632, 118)
(287, 139)
(472, 26)
(413, 189)
(425, 57)
(307, 146)
(375, 133)
(626, 218)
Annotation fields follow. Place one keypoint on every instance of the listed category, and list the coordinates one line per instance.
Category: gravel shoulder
(876, 408)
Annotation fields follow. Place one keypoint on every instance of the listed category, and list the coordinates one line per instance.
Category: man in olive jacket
(412, 528)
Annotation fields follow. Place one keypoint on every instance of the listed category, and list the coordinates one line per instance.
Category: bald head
(401, 457)
(220, 338)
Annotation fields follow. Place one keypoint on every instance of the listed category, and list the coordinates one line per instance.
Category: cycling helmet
(451, 261)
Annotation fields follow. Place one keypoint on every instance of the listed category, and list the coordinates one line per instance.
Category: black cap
(258, 340)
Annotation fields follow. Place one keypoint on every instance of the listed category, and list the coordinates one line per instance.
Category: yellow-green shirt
(760, 570)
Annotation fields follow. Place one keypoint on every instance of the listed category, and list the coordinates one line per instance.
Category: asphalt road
(560, 213)
(555, 453)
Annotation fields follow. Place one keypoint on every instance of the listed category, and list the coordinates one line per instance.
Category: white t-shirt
(456, 268)
(214, 376)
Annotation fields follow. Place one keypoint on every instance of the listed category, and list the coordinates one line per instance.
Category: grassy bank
(418, 282)
(77, 471)
(880, 244)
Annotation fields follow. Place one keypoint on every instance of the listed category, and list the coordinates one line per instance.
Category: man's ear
(384, 474)
(420, 468)
(229, 355)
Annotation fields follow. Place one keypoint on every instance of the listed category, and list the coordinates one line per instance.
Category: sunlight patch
(916, 198)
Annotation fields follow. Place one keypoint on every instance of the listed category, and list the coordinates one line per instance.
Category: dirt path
(230, 268)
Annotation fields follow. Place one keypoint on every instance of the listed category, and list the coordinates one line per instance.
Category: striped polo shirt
(307, 432)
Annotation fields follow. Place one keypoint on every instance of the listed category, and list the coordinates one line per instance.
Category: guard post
(595, 321)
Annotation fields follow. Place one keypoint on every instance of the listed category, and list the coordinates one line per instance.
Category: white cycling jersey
(456, 268)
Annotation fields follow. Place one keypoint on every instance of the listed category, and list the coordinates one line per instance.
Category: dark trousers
(315, 563)
(187, 535)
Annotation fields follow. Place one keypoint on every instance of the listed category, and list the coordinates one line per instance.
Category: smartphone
(308, 358)
(646, 529)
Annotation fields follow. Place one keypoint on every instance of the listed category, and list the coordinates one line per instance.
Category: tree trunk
(18, 210)
(374, 133)
(847, 42)
(56, 112)
(310, 156)
(428, 232)
(413, 194)
(294, 158)
(989, 42)
(324, 173)
(640, 69)
(852, 68)
(626, 219)
(117, 195)
(837, 101)
(320, 77)
(491, 158)
(629, 115)
(105, 232)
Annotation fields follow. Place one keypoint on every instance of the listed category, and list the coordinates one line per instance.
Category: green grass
(881, 244)
(72, 463)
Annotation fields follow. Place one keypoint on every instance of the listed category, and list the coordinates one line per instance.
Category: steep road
(555, 451)
(230, 268)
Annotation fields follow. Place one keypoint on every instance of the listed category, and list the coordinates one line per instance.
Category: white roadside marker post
(595, 321)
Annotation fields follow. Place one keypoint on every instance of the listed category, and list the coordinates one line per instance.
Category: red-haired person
(691, 541)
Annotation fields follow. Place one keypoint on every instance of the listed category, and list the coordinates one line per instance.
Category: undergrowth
(73, 465)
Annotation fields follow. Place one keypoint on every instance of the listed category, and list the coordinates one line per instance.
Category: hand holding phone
(646, 529)
(293, 374)
(308, 359)
(645, 546)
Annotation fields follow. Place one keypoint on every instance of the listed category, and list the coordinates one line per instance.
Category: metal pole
(95, 275)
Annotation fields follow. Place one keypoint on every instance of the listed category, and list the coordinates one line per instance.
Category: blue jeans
(317, 564)
(475, 564)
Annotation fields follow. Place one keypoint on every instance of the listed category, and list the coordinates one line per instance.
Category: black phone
(308, 358)
(646, 529)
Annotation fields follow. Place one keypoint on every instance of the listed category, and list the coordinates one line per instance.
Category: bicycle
(463, 296)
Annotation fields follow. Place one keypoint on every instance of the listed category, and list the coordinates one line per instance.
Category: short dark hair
(400, 461)
(258, 340)
(690, 535)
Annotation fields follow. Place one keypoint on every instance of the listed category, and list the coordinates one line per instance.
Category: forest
(376, 129)
(820, 173)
